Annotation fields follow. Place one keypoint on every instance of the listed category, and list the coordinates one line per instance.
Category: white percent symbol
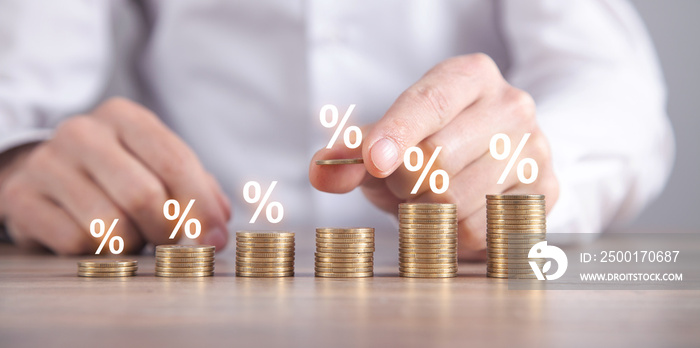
(193, 228)
(333, 122)
(493, 149)
(419, 164)
(97, 230)
(262, 203)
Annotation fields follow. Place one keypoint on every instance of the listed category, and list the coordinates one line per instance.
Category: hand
(459, 105)
(120, 162)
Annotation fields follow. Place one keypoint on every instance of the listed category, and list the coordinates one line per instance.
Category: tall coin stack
(344, 252)
(184, 261)
(264, 254)
(107, 268)
(514, 223)
(427, 240)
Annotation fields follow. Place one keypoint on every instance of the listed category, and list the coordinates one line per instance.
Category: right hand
(119, 161)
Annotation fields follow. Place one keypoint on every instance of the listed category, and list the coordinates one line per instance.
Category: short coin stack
(264, 254)
(427, 240)
(184, 261)
(514, 224)
(107, 268)
(344, 252)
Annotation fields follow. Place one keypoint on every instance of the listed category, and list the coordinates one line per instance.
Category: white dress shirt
(242, 83)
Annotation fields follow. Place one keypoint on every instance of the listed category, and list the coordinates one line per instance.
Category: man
(234, 89)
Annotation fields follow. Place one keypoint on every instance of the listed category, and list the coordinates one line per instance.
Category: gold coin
(435, 233)
(342, 237)
(505, 205)
(424, 275)
(184, 275)
(340, 161)
(348, 255)
(435, 240)
(264, 259)
(184, 270)
(514, 196)
(445, 245)
(515, 236)
(170, 263)
(425, 267)
(511, 230)
(343, 275)
(264, 240)
(341, 244)
(240, 244)
(265, 275)
(434, 220)
(106, 274)
(176, 248)
(243, 269)
(343, 269)
(420, 236)
(428, 226)
(350, 230)
(265, 250)
(523, 208)
(428, 253)
(505, 235)
(265, 234)
(345, 251)
(166, 260)
(339, 261)
(107, 263)
(447, 260)
(106, 269)
(431, 215)
(264, 254)
(344, 264)
(519, 217)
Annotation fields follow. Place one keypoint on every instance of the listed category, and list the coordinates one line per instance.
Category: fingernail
(384, 154)
(216, 237)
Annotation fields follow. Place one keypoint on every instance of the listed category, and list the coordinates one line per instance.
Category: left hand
(459, 105)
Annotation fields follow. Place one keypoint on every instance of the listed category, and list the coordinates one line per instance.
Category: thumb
(340, 178)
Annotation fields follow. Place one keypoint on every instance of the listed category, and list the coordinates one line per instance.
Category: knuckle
(13, 193)
(39, 157)
(522, 103)
(434, 100)
(144, 196)
(80, 129)
(118, 107)
(479, 62)
(116, 103)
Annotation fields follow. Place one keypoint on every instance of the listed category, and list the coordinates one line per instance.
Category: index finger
(426, 107)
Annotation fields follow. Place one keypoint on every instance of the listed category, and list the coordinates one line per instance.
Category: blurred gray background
(674, 27)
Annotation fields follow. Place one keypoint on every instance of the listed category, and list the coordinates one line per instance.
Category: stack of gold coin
(107, 268)
(344, 252)
(427, 240)
(264, 254)
(184, 261)
(514, 223)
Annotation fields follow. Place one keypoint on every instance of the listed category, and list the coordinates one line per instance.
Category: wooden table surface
(43, 303)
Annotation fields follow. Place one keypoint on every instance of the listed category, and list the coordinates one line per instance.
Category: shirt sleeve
(53, 64)
(601, 99)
